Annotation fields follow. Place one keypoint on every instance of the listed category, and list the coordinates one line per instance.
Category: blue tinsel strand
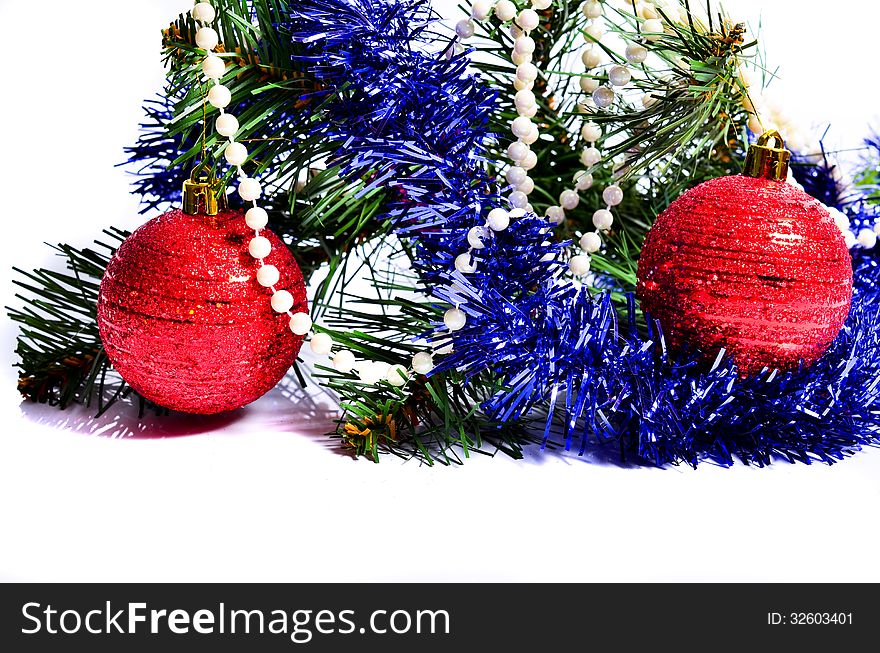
(411, 121)
(158, 183)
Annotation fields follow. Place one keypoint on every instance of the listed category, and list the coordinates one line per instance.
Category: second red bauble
(183, 319)
(751, 265)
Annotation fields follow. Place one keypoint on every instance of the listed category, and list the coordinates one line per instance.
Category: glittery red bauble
(183, 319)
(752, 265)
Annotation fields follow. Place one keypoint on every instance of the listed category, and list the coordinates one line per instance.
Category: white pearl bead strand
(250, 190)
(526, 132)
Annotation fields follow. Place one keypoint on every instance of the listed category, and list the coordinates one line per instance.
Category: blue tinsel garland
(158, 183)
(415, 122)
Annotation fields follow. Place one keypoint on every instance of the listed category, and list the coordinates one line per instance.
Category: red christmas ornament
(183, 319)
(750, 264)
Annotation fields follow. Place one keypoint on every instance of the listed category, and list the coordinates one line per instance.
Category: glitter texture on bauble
(752, 265)
(183, 319)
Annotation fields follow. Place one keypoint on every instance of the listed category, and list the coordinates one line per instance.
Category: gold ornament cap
(766, 162)
(202, 193)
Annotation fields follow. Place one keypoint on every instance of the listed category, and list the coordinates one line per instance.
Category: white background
(263, 495)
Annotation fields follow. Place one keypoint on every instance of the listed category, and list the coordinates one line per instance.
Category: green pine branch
(436, 419)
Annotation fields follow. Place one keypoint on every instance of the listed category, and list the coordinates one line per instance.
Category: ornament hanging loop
(766, 162)
(203, 194)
